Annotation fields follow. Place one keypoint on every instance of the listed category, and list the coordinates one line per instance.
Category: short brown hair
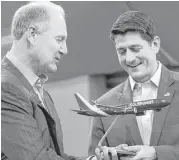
(134, 21)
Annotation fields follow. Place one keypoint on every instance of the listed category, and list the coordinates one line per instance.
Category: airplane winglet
(85, 105)
(82, 102)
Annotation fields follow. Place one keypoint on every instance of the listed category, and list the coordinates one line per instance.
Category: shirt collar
(42, 79)
(155, 79)
(27, 72)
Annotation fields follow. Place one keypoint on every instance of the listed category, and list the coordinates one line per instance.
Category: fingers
(102, 153)
(98, 154)
(106, 153)
(97, 151)
(113, 153)
(110, 153)
(136, 148)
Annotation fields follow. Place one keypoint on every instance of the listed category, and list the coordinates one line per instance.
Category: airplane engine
(158, 110)
(141, 113)
(138, 113)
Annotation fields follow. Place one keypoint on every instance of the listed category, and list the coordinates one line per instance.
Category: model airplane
(100, 110)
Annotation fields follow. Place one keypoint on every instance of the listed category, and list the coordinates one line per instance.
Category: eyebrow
(135, 45)
(130, 47)
(121, 48)
(61, 36)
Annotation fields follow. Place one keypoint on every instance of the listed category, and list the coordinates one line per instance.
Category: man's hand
(108, 153)
(142, 152)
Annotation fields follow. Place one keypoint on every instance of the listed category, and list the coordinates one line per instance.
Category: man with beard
(30, 126)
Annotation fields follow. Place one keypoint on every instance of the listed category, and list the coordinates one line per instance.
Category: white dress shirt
(148, 91)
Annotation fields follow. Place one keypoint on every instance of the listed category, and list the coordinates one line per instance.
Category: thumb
(132, 148)
(97, 151)
(119, 147)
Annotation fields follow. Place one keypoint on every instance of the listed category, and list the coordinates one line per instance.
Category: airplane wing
(88, 113)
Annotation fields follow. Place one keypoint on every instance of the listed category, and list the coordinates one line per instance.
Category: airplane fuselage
(133, 108)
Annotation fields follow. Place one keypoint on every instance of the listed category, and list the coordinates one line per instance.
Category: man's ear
(31, 34)
(156, 44)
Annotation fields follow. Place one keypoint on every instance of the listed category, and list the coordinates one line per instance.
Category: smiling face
(49, 46)
(136, 55)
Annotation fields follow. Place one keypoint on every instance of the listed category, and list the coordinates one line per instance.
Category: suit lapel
(166, 92)
(131, 122)
(49, 118)
(52, 129)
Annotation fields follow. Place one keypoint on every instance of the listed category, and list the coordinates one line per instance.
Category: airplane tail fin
(82, 102)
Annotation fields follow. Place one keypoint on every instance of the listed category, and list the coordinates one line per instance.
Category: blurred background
(91, 67)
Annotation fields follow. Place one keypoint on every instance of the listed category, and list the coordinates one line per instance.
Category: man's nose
(130, 57)
(63, 49)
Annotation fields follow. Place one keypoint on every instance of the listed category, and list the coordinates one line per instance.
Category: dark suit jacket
(28, 132)
(165, 131)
